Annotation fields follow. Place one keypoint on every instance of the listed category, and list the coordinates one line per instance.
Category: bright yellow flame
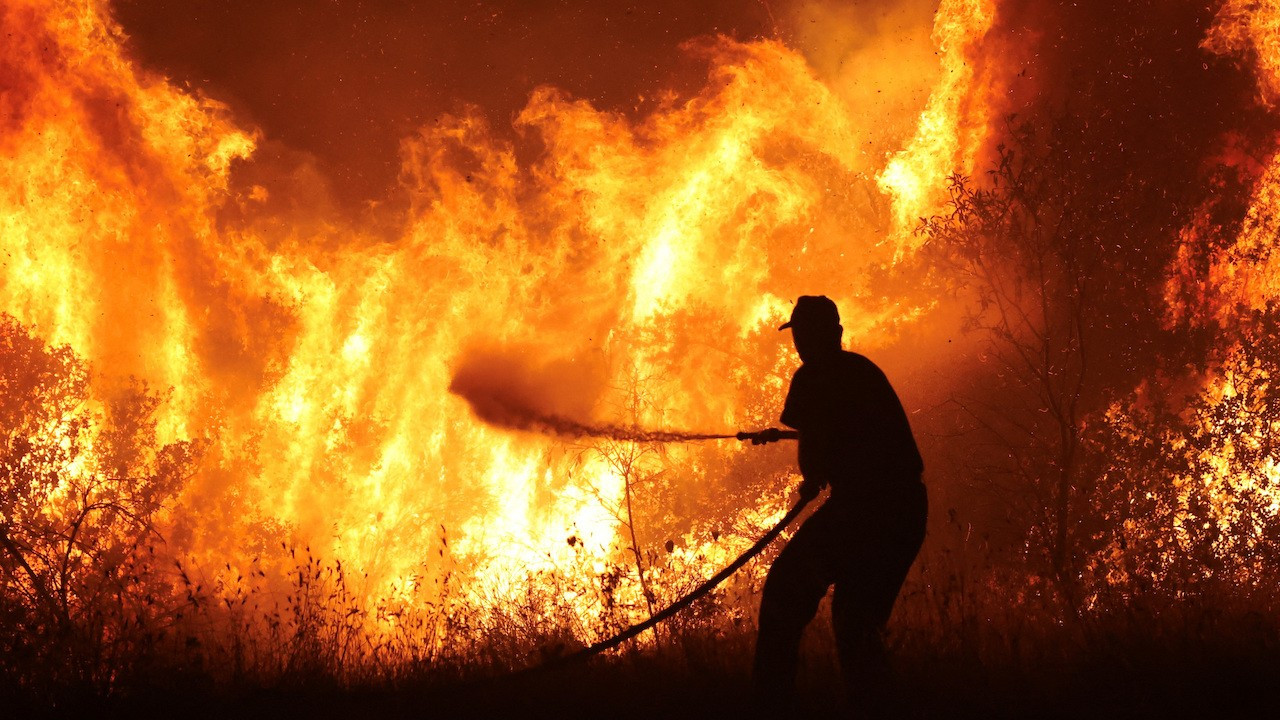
(953, 125)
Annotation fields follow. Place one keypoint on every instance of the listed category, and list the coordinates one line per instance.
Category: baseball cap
(813, 311)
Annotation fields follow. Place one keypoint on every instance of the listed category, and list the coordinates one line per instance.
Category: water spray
(564, 427)
(517, 408)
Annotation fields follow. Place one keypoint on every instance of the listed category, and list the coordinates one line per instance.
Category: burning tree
(1163, 487)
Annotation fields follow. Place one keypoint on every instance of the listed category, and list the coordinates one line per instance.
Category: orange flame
(317, 359)
(1248, 28)
(1233, 479)
(952, 127)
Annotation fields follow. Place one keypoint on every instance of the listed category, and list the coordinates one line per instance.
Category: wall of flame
(642, 261)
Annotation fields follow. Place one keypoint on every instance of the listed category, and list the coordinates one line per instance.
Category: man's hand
(810, 488)
(766, 436)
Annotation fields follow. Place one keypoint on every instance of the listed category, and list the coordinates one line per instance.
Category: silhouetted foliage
(1154, 486)
(82, 483)
(1024, 245)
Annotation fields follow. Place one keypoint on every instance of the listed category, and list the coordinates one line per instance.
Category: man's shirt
(855, 432)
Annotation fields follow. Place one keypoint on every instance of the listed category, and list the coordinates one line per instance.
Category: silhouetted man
(855, 438)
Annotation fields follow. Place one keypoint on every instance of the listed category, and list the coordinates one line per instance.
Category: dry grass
(964, 645)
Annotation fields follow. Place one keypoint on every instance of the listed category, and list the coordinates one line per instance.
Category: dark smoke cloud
(510, 389)
(345, 81)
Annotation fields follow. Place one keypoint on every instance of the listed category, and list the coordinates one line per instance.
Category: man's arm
(811, 456)
(815, 477)
(802, 410)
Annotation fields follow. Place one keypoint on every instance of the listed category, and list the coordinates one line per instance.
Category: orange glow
(316, 359)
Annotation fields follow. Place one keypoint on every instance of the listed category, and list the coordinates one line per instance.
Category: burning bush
(1191, 492)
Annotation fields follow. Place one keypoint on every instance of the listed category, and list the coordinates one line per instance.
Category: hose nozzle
(768, 435)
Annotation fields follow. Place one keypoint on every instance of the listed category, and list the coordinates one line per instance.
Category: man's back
(844, 406)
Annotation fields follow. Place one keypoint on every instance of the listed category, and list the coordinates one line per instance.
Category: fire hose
(707, 585)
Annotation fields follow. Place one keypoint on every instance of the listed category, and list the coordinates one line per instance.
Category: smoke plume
(507, 389)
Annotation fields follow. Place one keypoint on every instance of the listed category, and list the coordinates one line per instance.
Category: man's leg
(859, 625)
(865, 594)
(793, 589)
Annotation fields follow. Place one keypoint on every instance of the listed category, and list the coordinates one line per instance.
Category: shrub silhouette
(82, 479)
